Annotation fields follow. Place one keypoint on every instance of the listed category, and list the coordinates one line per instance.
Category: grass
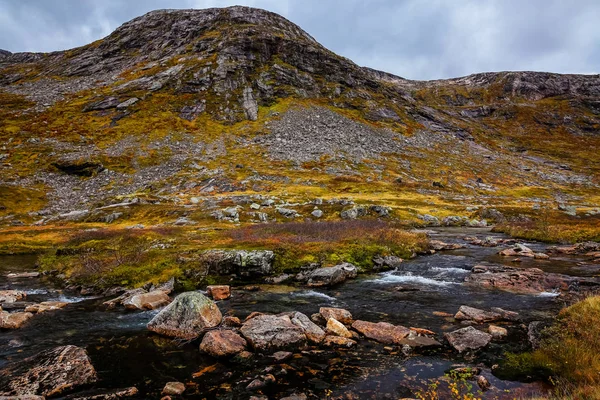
(568, 354)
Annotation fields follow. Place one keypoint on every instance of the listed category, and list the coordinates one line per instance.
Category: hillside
(190, 111)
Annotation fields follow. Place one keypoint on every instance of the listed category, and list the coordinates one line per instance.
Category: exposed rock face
(239, 262)
(48, 373)
(272, 332)
(222, 343)
(331, 276)
(382, 332)
(186, 317)
(468, 338)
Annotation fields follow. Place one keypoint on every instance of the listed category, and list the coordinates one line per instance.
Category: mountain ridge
(174, 90)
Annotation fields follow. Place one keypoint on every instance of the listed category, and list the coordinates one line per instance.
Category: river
(125, 353)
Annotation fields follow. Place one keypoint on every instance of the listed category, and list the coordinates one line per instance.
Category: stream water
(126, 354)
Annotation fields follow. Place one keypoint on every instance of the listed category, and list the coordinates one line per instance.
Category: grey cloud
(415, 39)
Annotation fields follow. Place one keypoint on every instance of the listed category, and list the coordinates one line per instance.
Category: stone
(49, 373)
(218, 292)
(21, 275)
(483, 383)
(382, 332)
(13, 320)
(255, 263)
(466, 313)
(147, 301)
(353, 213)
(45, 306)
(386, 263)
(288, 213)
(295, 396)
(312, 331)
(338, 341)
(497, 332)
(127, 103)
(124, 297)
(317, 213)
(339, 314)
(336, 328)
(222, 343)
(438, 245)
(507, 315)
(231, 322)
(468, 338)
(521, 280)
(173, 389)
(281, 356)
(104, 394)
(331, 276)
(187, 317)
(10, 296)
(272, 332)
(535, 333)
(518, 250)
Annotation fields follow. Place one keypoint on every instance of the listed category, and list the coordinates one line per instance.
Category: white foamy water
(408, 278)
(450, 270)
(549, 294)
(35, 291)
(313, 293)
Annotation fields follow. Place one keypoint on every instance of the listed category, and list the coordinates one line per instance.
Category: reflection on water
(126, 354)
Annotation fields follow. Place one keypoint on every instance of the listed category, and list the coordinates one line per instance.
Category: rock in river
(466, 313)
(312, 331)
(147, 301)
(334, 327)
(189, 315)
(270, 332)
(218, 292)
(10, 296)
(330, 276)
(48, 373)
(13, 320)
(468, 338)
(339, 314)
(222, 343)
(45, 306)
(382, 332)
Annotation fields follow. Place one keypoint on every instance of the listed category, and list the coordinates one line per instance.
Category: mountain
(218, 106)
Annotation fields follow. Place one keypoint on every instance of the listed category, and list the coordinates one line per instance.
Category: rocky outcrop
(187, 317)
(382, 332)
(222, 343)
(239, 262)
(330, 276)
(468, 338)
(272, 332)
(48, 373)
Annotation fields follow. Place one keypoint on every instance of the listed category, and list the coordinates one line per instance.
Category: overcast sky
(416, 39)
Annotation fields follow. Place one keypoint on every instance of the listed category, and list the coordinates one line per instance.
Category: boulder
(10, 296)
(338, 314)
(189, 315)
(239, 262)
(339, 341)
(45, 306)
(331, 276)
(122, 299)
(312, 331)
(520, 280)
(48, 373)
(466, 313)
(336, 328)
(468, 338)
(272, 332)
(222, 343)
(147, 301)
(382, 332)
(518, 250)
(438, 245)
(13, 320)
(218, 292)
(354, 213)
(173, 389)
(497, 332)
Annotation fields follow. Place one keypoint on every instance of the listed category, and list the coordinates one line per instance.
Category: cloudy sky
(416, 39)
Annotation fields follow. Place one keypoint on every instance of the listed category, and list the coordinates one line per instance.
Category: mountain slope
(194, 107)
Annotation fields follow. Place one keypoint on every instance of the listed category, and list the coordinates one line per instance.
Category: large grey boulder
(48, 373)
(330, 276)
(468, 338)
(187, 317)
(239, 262)
(272, 332)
